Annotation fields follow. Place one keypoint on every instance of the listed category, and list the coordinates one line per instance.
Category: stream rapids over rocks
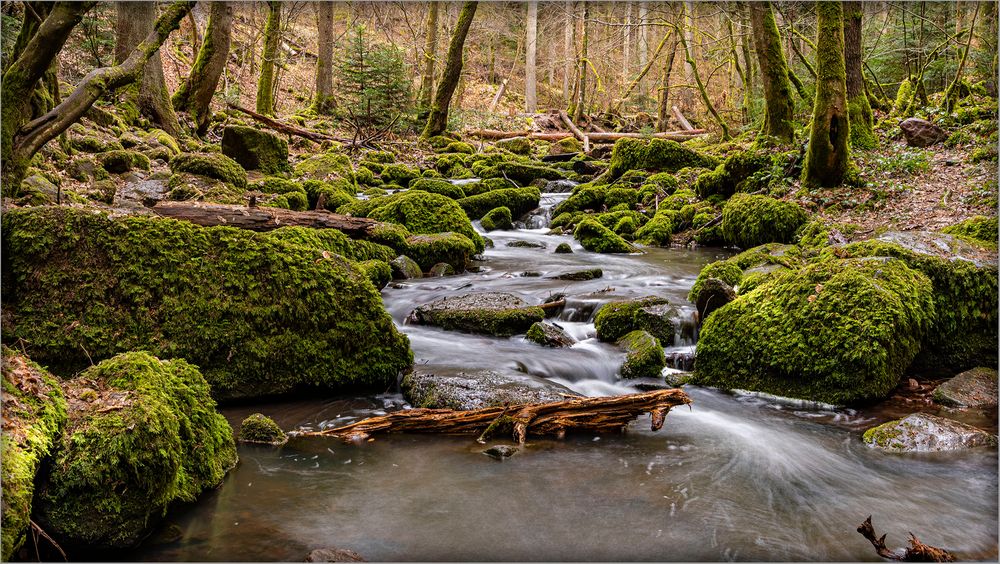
(735, 477)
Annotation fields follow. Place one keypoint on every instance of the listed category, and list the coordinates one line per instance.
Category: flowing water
(735, 477)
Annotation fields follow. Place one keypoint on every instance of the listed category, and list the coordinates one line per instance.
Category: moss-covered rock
(459, 147)
(326, 166)
(728, 271)
(566, 145)
(655, 154)
(599, 239)
(923, 432)
(479, 389)
(399, 174)
(497, 218)
(524, 173)
(212, 165)
(259, 316)
(430, 249)
(643, 355)
(836, 331)
(34, 413)
(255, 149)
(978, 228)
(420, 212)
(142, 434)
(261, 429)
(160, 138)
(117, 162)
(331, 241)
(651, 314)
(332, 195)
(405, 268)
(518, 200)
(548, 335)
(516, 145)
(492, 313)
(435, 186)
(752, 220)
(185, 186)
(728, 176)
(564, 248)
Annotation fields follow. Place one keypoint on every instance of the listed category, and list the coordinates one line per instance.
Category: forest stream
(735, 477)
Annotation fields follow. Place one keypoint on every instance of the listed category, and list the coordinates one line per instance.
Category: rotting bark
(601, 414)
(858, 105)
(195, 94)
(778, 120)
(272, 39)
(263, 219)
(135, 20)
(828, 155)
(324, 101)
(916, 552)
(437, 121)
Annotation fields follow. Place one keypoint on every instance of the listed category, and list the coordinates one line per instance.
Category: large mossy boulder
(492, 313)
(728, 177)
(752, 220)
(437, 186)
(255, 149)
(839, 331)
(524, 173)
(450, 248)
(419, 212)
(497, 218)
(34, 413)
(518, 200)
(651, 314)
(259, 316)
(599, 239)
(326, 167)
(643, 355)
(142, 434)
(212, 165)
(656, 155)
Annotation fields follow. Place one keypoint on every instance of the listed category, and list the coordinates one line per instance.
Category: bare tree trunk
(627, 42)
(324, 101)
(272, 39)
(531, 47)
(195, 94)
(135, 21)
(581, 100)
(828, 155)
(643, 41)
(568, 55)
(859, 108)
(774, 74)
(437, 121)
(430, 47)
(688, 23)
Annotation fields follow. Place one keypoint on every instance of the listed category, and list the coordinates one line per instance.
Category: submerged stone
(492, 313)
(441, 269)
(923, 432)
(973, 388)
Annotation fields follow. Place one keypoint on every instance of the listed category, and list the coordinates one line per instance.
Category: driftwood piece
(553, 418)
(285, 128)
(685, 124)
(263, 219)
(916, 552)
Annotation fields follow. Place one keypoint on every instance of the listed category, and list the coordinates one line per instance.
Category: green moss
(499, 322)
(377, 271)
(655, 154)
(727, 178)
(903, 95)
(442, 187)
(255, 149)
(860, 114)
(459, 147)
(332, 241)
(659, 230)
(384, 157)
(979, 228)
(566, 145)
(584, 197)
(599, 239)
(726, 270)
(430, 249)
(752, 220)
(259, 428)
(365, 177)
(185, 186)
(420, 212)
(837, 331)
(516, 145)
(399, 174)
(643, 356)
(523, 173)
(34, 413)
(497, 218)
(212, 165)
(563, 249)
(327, 166)
(118, 162)
(150, 437)
(335, 193)
(258, 316)
(164, 139)
(650, 314)
(518, 200)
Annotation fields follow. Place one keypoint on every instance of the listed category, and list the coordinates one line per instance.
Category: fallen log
(670, 135)
(916, 552)
(285, 128)
(495, 134)
(263, 219)
(685, 124)
(553, 418)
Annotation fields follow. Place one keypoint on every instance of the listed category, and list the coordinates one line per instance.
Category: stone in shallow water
(476, 389)
(404, 268)
(549, 335)
(500, 452)
(972, 388)
(580, 275)
(922, 432)
(493, 313)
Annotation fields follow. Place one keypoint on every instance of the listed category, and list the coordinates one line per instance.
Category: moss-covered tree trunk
(951, 93)
(46, 95)
(579, 107)
(430, 48)
(858, 106)
(324, 101)
(272, 39)
(828, 155)
(195, 93)
(779, 117)
(663, 110)
(20, 138)
(135, 20)
(437, 121)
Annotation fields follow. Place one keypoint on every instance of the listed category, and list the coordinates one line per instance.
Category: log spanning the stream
(263, 219)
(553, 418)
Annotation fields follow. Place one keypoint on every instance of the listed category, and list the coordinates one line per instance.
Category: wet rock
(555, 310)
(522, 244)
(261, 429)
(334, 554)
(643, 355)
(921, 133)
(477, 389)
(549, 335)
(255, 149)
(564, 248)
(922, 432)
(681, 359)
(586, 167)
(493, 313)
(589, 274)
(972, 388)
(561, 186)
(405, 268)
(651, 313)
(714, 293)
(497, 218)
(531, 274)
(143, 193)
(500, 452)
(39, 189)
(677, 379)
(441, 269)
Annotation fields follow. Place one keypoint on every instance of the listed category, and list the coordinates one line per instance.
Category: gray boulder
(972, 388)
(144, 193)
(921, 133)
(922, 432)
(478, 389)
(549, 335)
(492, 313)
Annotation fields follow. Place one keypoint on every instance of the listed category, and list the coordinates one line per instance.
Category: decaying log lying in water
(263, 219)
(917, 551)
(554, 418)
